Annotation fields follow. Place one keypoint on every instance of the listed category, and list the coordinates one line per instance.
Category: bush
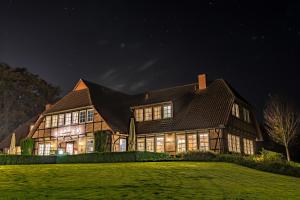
(266, 155)
(27, 145)
(26, 159)
(102, 141)
(197, 156)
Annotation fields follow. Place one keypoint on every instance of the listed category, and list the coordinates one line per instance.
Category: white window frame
(75, 117)
(80, 115)
(235, 110)
(61, 119)
(139, 114)
(160, 144)
(150, 144)
(41, 148)
(48, 122)
(123, 144)
(90, 141)
(181, 143)
(156, 112)
(234, 144)
(192, 142)
(248, 146)
(203, 141)
(141, 144)
(167, 111)
(246, 114)
(148, 114)
(54, 120)
(47, 149)
(68, 118)
(90, 115)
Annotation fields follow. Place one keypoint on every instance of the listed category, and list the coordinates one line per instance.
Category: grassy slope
(172, 180)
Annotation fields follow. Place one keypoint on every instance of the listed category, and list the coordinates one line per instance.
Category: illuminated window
(157, 112)
(160, 144)
(61, 119)
(89, 145)
(48, 122)
(54, 120)
(90, 115)
(248, 146)
(122, 144)
(68, 119)
(82, 116)
(192, 142)
(75, 118)
(41, 149)
(70, 148)
(139, 115)
(235, 110)
(181, 143)
(234, 144)
(167, 111)
(150, 144)
(47, 149)
(203, 142)
(141, 144)
(246, 114)
(148, 114)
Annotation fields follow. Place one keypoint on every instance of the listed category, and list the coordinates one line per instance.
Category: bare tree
(281, 121)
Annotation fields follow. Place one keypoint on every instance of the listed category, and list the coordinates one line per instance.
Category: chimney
(48, 106)
(202, 81)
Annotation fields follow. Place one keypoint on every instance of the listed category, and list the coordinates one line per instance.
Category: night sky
(134, 46)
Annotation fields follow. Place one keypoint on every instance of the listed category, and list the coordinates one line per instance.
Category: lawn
(161, 180)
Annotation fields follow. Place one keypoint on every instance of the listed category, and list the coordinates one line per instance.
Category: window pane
(139, 115)
(47, 149)
(141, 144)
(89, 145)
(234, 143)
(75, 118)
(150, 144)
(122, 144)
(82, 116)
(167, 111)
(41, 149)
(148, 114)
(157, 112)
(90, 115)
(68, 119)
(160, 145)
(61, 119)
(181, 143)
(192, 142)
(54, 120)
(203, 142)
(48, 122)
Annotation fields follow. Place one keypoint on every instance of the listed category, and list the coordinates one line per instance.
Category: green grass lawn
(161, 180)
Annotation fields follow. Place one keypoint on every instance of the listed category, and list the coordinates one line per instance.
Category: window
(181, 143)
(90, 115)
(192, 142)
(75, 118)
(47, 149)
(82, 116)
(41, 149)
(48, 122)
(150, 144)
(160, 145)
(61, 119)
(157, 112)
(234, 144)
(235, 110)
(203, 142)
(122, 144)
(68, 119)
(248, 146)
(141, 144)
(89, 145)
(167, 111)
(148, 114)
(54, 121)
(139, 115)
(70, 148)
(246, 114)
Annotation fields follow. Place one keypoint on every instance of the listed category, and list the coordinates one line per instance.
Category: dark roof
(193, 109)
(21, 132)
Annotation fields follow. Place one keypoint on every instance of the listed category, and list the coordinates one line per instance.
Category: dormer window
(157, 112)
(139, 115)
(48, 122)
(61, 119)
(246, 114)
(235, 110)
(148, 114)
(167, 111)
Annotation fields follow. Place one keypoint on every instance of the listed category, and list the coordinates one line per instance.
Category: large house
(196, 117)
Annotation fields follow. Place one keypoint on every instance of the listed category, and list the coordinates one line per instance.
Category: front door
(70, 148)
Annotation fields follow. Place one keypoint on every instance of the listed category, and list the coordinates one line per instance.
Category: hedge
(107, 157)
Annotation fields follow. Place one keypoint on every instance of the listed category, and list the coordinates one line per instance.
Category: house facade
(203, 116)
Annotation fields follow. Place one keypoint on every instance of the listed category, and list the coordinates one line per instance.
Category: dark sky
(140, 45)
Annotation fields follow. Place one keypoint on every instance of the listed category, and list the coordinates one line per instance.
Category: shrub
(27, 145)
(197, 156)
(26, 159)
(266, 155)
(102, 141)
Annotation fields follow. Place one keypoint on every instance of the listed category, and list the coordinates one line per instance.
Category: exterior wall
(76, 135)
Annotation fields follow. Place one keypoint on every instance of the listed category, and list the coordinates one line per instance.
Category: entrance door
(69, 148)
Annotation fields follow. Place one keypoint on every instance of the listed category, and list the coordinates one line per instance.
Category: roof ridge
(168, 88)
